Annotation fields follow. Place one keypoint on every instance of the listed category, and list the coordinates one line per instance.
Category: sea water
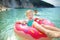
(9, 17)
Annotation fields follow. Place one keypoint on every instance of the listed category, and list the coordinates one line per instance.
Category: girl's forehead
(30, 13)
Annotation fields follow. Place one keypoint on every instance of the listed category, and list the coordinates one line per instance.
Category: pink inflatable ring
(33, 31)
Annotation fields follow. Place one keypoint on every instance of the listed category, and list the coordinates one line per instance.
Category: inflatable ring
(33, 31)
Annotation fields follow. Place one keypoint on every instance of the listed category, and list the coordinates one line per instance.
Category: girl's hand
(24, 22)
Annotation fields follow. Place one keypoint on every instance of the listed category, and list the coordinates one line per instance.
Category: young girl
(30, 21)
(50, 31)
(29, 15)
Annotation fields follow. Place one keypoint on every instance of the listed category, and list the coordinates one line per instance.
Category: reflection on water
(8, 19)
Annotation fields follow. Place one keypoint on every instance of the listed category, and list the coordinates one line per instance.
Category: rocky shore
(3, 8)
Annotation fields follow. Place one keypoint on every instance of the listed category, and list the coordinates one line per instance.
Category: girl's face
(30, 15)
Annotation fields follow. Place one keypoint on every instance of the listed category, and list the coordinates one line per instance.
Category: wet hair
(27, 12)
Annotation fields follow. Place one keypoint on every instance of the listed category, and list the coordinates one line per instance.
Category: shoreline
(2, 8)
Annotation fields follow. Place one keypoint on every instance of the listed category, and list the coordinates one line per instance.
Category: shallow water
(8, 19)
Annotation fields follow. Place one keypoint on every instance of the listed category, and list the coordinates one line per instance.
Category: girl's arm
(24, 21)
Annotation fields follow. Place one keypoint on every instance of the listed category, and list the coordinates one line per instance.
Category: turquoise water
(8, 19)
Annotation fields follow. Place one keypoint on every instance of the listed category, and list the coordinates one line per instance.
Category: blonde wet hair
(27, 12)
